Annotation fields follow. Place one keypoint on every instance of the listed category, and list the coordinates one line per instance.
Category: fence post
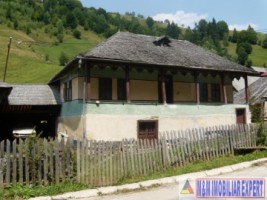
(164, 151)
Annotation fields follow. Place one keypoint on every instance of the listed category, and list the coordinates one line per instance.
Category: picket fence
(101, 163)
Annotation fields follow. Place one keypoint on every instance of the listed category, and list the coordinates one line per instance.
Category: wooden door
(241, 116)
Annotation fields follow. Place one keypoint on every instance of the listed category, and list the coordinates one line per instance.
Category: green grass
(258, 56)
(28, 61)
(198, 166)
(24, 192)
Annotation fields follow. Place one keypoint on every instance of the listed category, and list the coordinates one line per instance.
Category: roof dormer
(162, 41)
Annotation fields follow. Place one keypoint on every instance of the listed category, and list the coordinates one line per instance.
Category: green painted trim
(177, 110)
(72, 108)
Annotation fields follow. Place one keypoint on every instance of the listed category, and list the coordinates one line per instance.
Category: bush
(63, 59)
(77, 34)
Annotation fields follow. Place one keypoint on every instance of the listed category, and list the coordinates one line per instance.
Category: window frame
(148, 133)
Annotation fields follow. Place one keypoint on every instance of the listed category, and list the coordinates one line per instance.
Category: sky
(236, 13)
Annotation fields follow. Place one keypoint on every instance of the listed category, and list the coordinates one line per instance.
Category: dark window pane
(215, 93)
(203, 91)
(121, 88)
(105, 88)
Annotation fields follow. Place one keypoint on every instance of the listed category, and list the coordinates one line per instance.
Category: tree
(248, 35)
(222, 29)
(244, 45)
(71, 21)
(202, 28)
(63, 59)
(150, 22)
(242, 56)
(264, 43)
(234, 37)
(172, 30)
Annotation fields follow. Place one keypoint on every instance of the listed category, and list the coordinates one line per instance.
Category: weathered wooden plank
(189, 146)
(2, 165)
(46, 155)
(82, 175)
(39, 167)
(51, 161)
(63, 159)
(21, 147)
(78, 160)
(86, 162)
(14, 162)
(181, 144)
(111, 172)
(27, 152)
(57, 161)
(7, 162)
(139, 154)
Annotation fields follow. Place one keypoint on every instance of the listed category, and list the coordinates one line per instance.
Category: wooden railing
(101, 163)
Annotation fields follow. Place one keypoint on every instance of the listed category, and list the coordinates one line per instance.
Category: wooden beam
(163, 88)
(128, 91)
(197, 88)
(246, 89)
(225, 100)
(88, 83)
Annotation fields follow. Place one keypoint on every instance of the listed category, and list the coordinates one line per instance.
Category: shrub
(77, 34)
(63, 59)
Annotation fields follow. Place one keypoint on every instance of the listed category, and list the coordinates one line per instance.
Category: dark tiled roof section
(257, 91)
(135, 48)
(34, 95)
(4, 85)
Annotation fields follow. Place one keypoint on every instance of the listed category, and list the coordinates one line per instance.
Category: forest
(55, 17)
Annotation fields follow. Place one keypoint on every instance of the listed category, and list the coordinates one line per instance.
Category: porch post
(163, 88)
(197, 88)
(128, 92)
(246, 89)
(224, 89)
(88, 83)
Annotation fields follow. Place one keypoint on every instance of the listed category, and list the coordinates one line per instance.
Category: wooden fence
(101, 163)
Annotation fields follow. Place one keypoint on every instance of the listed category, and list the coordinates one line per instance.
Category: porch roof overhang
(91, 61)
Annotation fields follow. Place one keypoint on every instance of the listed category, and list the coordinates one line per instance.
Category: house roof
(125, 47)
(137, 48)
(257, 91)
(34, 95)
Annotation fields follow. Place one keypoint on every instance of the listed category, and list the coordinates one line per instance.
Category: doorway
(240, 115)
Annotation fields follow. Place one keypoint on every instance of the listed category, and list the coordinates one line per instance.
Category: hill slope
(35, 59)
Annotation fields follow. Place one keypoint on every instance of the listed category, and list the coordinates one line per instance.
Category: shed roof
(34, 95)
(257, 91)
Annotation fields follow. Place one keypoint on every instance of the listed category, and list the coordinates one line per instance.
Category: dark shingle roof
(34, 95)
(257, 91)
(135, 48)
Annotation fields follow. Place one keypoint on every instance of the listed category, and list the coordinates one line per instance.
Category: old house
(136, 85)
(28, 107)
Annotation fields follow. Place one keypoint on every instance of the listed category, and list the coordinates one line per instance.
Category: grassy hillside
(258, 55)
(34, 57)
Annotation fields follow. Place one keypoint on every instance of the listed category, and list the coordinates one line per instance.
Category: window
(105, 88)
(121, 85)
(67, 93)
(203, 92)
(147, 129)
(215, 93)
